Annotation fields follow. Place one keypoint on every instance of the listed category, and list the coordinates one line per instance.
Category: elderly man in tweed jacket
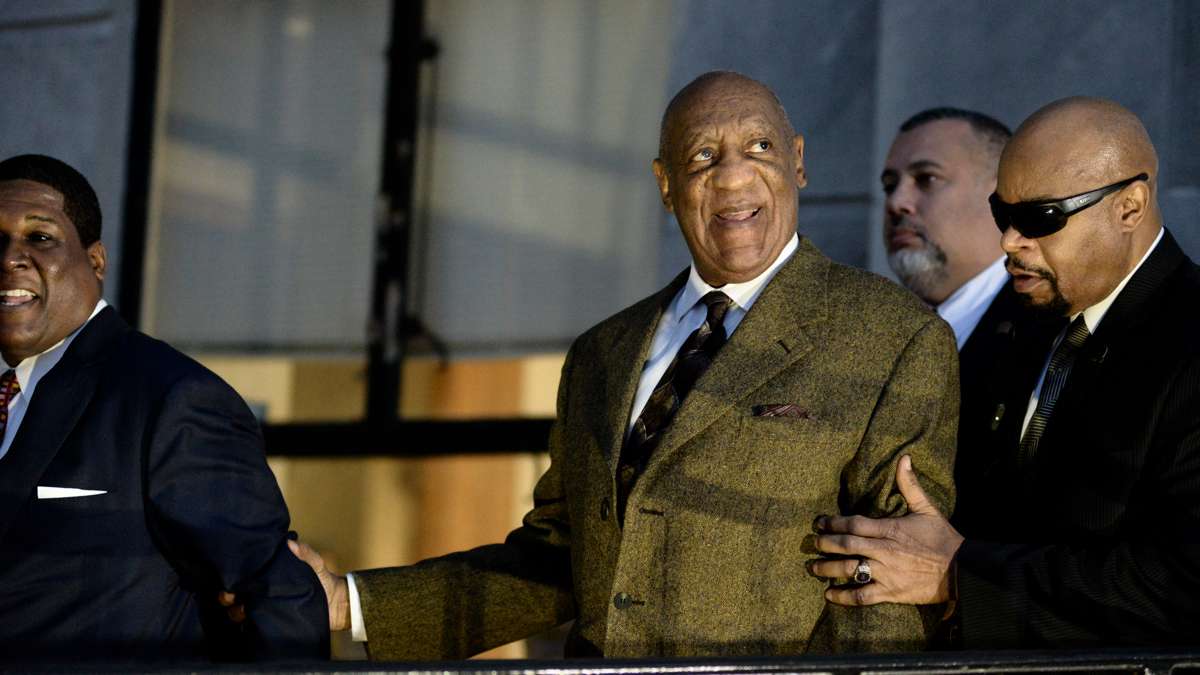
(699, 432)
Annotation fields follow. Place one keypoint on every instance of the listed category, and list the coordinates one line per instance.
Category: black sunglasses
(1038, 219)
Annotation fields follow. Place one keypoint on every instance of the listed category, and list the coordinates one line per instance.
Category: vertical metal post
(138, 157)
(389, 293)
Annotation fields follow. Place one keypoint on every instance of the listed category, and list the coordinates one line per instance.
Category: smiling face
(49, 283)
(730, 172)
(937, 226)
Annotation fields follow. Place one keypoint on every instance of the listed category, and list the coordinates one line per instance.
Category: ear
(98, 258)
(798, 147)
(664, 183)
(1132, 204)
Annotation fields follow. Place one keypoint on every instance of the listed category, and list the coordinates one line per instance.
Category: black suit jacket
(1095, 540)
(1004, 353)
(190, 508)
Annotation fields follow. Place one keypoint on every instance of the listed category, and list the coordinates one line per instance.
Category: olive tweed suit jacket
(711, 557)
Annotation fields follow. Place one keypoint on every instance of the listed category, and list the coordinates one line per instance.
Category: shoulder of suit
(1170, 327)
(857, 291)
(158, 365)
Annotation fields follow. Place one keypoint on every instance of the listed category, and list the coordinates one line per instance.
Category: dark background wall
(66, 68)
(537, 214)
(850, 72)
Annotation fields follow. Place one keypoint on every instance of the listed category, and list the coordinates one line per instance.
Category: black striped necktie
(1052, 386)
(690, 362)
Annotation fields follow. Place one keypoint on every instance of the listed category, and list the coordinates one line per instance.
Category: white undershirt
(30, 371)
(1092, 316)
(967, 305)
(682, 316)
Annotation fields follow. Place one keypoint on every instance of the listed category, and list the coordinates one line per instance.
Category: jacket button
(622, 601)
(605, 509)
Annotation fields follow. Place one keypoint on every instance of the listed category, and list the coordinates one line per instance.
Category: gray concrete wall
(538, 207)
(266, 174)
(1009, 61)
(537, 211)
(820, 57)
(66, 68)
(851, 72)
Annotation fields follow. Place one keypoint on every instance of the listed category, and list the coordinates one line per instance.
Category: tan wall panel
(463, 389)
(329, 389)
(539, 384)
(265, 382)
(334, 389)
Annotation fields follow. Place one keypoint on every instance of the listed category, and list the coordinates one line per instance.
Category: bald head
(715, 84)
(1076, 144)
(1071, 147)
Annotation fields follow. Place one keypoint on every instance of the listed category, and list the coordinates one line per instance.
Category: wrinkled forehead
(725, 108)
(724, 120)
(30, 195)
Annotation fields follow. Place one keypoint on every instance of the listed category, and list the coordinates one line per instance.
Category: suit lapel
(1134, 302)
(1130, 308)
(58, 403)
(623, 360)
(769, 339)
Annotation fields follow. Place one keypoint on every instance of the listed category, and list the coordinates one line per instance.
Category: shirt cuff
(358, 628)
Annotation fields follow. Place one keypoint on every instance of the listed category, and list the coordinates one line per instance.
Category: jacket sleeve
(916, 414)
(458, 605)
(1140, 585)
(216, 513)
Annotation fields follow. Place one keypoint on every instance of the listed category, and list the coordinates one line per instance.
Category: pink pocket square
(781, 410)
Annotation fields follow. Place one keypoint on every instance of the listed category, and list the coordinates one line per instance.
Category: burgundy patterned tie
(9, 387)
(690, 362)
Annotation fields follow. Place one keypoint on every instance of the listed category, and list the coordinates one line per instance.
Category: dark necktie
(9, 387)
(1052, 386)
(690, 362)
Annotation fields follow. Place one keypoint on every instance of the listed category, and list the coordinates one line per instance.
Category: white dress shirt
(1092, 316)
(966, 306)
(30, 371)
(686, 313)
(682, 316)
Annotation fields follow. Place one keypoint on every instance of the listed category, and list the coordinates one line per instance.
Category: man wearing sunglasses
(1094, 538)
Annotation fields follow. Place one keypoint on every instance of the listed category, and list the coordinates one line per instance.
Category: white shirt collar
(32, 369)
(1094, 314)
(967, 305)
(743, 294)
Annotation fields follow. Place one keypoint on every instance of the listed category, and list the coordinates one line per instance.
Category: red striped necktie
(9, 387)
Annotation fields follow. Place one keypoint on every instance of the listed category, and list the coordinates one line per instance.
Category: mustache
(905, 223)
(1017, 263)
(893, 225)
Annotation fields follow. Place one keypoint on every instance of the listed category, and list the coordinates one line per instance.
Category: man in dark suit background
(1094, 537)
(943, 245)
(133, 485)
(938, 231)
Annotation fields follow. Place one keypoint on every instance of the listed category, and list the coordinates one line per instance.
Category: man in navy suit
(133, 484)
